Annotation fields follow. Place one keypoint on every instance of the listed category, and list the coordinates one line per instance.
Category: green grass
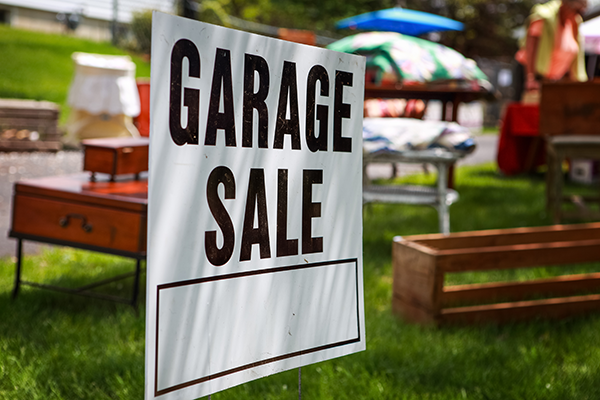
(39, 66)
(489, 130)
(55, 346)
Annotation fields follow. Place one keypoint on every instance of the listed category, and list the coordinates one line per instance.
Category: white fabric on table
(403, 134)
(104, 85)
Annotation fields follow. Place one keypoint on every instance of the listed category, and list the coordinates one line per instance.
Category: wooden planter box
(420, 263)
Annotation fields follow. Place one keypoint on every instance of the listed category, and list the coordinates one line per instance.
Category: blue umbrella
(397, 19)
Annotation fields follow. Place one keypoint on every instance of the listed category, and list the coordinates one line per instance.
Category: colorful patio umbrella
(401, 20)
(396, 57)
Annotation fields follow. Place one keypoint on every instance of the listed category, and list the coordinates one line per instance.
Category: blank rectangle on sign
(284, 312)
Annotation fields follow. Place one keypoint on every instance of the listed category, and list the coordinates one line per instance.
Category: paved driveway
(16, 166)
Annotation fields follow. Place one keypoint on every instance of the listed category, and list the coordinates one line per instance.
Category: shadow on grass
(68, 346)
(487, 362)
(80, 302)
(72, 269)
(71, 347)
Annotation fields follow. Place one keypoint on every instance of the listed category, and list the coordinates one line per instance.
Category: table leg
(366, 179)
(18, 269)
(558, 184)
(442, 188)
(591, 67)
(444, 110)
(549, 176)
(450, 176)
(553, 181)
(532, 152)
(455, 104)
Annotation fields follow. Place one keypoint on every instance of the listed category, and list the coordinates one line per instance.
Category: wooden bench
(421, 262)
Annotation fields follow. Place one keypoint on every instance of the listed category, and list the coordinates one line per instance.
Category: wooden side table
(557, 149)
(104, 216)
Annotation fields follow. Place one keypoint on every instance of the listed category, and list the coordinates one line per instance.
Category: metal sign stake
(299, 383)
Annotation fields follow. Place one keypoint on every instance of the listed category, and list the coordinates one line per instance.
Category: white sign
(255, 208)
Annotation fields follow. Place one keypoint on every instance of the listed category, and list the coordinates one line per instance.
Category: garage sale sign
(255, 208)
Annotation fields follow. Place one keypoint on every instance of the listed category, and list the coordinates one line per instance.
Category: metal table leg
(18, 269)
(442, 208)
(85, 290)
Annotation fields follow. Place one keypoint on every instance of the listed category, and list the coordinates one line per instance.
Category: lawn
(55, 346)
(39, 66)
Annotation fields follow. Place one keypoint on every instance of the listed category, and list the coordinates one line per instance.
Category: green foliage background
(489, 25)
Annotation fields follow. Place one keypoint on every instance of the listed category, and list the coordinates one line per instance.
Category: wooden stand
(559, 148)
(420, 263)
(569, 122)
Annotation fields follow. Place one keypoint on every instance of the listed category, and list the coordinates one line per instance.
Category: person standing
(553, 50)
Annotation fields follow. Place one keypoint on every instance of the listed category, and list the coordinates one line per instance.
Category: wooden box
(115, 156)
(29, 125)
(421, 262)
(109, 217)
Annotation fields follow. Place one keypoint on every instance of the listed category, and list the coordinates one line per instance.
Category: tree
(489, 24)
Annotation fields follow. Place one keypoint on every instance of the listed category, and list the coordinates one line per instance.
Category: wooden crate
(29, 125)
(116, 156)
(421, 262)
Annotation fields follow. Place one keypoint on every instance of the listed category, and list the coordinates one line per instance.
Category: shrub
(141, 26)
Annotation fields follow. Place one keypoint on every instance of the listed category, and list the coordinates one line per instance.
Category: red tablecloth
(519, 143)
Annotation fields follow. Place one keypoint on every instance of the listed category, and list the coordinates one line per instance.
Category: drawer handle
(66, 220)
